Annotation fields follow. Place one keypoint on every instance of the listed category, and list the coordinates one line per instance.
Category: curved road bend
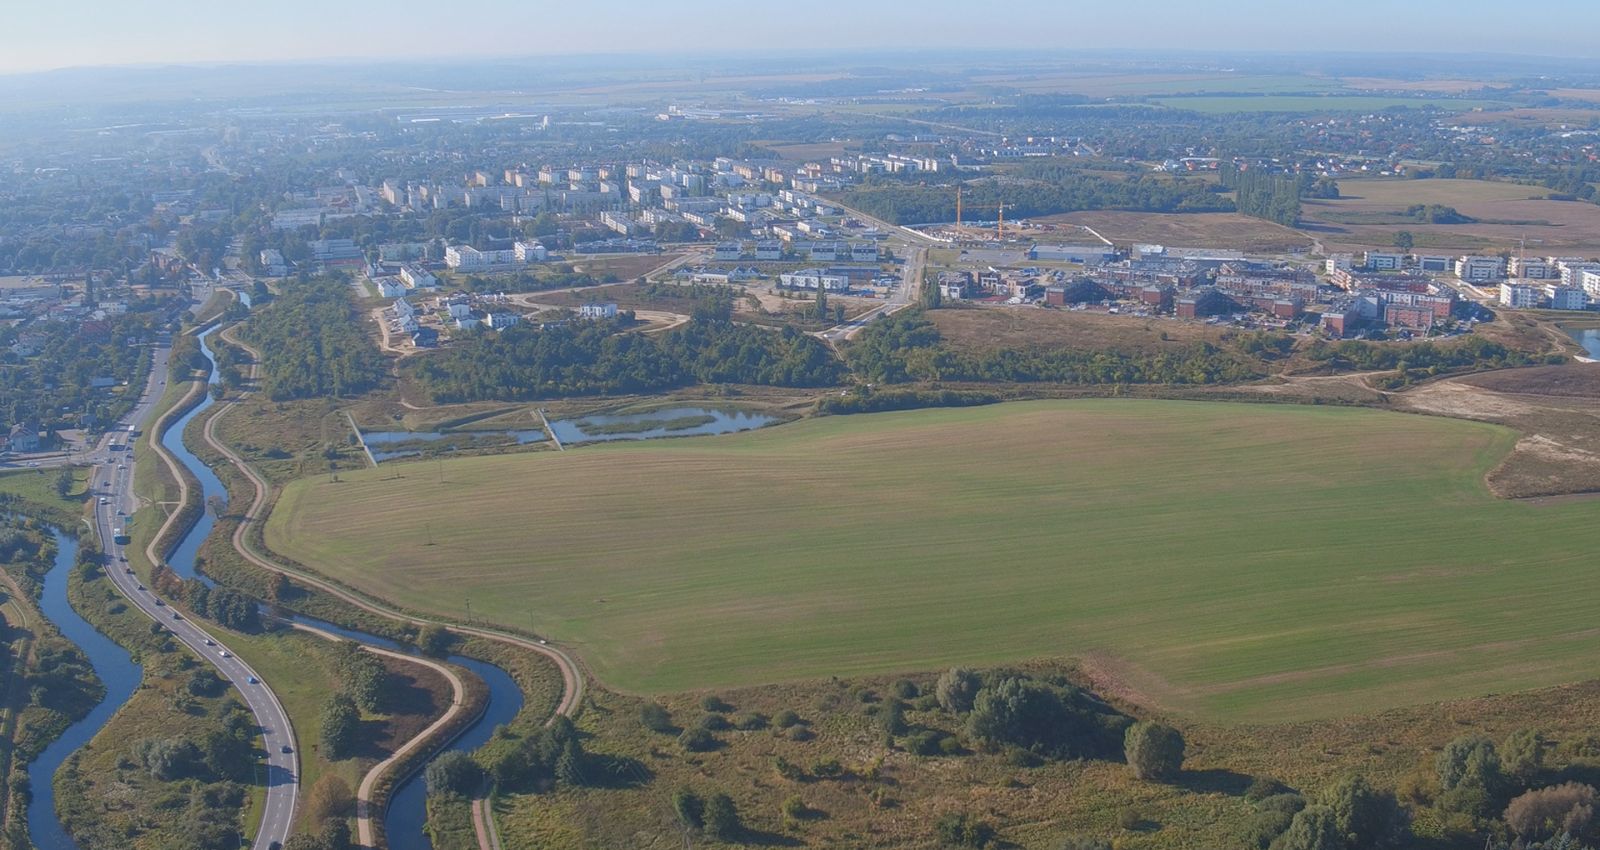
(111, 483)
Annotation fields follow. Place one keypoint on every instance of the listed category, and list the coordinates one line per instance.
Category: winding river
(117, 671)
(405, 819)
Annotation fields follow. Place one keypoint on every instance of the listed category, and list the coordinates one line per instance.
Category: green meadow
(1229, 562)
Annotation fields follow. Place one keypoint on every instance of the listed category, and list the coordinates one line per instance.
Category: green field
(1312, 103)
(1226, 561)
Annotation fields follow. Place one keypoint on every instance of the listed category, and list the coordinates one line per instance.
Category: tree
(1522, 754)
(433, 639)
(1313, 828)
(1154, 750)
(1404, 240)
(956, 689)
(63, 482)
(892, 717)
(689, 808)
(1567, 808)
(722, 818)
(569, 766)
(1364, 815)
(453, 773)
(1470, 777)
(1469, 761)
(341, 726)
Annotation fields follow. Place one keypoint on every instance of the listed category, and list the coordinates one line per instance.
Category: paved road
(904, 295)
(112, 487)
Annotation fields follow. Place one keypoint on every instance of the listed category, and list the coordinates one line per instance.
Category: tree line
(594, 358)
(1046, 190)
(906, 348)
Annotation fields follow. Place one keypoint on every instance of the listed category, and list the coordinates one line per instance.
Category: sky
(48, 34)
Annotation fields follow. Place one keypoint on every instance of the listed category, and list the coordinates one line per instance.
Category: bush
(892, 718)
(714, 723)
(1154, 750)
(1130, 819)
(698, 740)
(924, 743)
(794, 808)
(1263, 787)
(689, 808)
(721, 818)
(712, 702)
(1314, 828)
(959, 830)
(453, 773)
(1562, 809)
(800, 733)
(1262, 828)
(788, 769)
(904, 689)
(956, 689)
(656, 718)
(786, 718)
(1075, 842)
(434, 639)
(341, 726)
(750, 721)
(1366, 816)
(1289, 804)
(827, 769)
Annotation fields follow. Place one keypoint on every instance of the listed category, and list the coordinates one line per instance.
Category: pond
(1589, 338)
(671, 422)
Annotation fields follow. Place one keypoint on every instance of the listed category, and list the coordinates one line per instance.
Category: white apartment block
(1480, 269)
(1521, 295)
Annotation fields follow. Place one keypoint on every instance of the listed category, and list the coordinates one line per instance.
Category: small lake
(1589, 338)
(671, 422)
(117, 671)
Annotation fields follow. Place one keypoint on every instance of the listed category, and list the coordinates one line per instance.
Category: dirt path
(572, 678)
(364, 809)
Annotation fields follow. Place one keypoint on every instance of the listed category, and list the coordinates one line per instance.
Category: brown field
(998, 328)
(1532, 116)
(1571, 380)
(1439, 86)
(808, 153)
(1552, 226)
(1221, 230)
(626, 267)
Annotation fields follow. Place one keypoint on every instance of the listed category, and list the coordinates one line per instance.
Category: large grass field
(1228, 562)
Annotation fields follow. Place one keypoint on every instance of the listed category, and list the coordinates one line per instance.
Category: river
(406, 816)
(117, 671)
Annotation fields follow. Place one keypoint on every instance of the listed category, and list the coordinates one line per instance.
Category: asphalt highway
(111, 486)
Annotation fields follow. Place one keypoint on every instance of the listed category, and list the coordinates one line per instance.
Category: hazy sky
(43, 34)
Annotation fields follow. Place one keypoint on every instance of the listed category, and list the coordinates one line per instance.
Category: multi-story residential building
(1480, 269)
(1520, 295)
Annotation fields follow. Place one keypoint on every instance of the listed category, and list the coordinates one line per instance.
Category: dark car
(287, 748)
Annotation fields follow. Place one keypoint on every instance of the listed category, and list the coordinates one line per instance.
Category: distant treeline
(1412, 363)
(907, 348)
(311, 343)
(1042, 189)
